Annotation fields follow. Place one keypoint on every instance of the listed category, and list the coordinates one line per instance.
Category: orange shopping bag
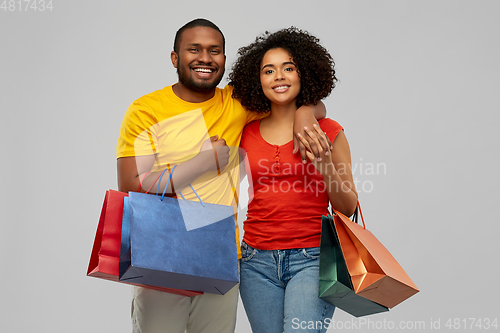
(375, 274)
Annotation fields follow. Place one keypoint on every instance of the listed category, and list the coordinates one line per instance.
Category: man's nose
(205, 57)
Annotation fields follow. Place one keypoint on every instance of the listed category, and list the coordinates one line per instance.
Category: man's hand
(325, 161)
(220, 149)
(304, 119)
(336, 171)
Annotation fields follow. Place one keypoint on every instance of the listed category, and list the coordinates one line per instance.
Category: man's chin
(202, 88)
(204, 85)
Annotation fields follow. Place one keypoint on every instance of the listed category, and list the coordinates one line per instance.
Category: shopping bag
(335, 284)
(105, 256)
(375, 273)
(167, 250)
(106, 249)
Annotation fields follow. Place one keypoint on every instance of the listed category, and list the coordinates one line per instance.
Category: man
(197, 127)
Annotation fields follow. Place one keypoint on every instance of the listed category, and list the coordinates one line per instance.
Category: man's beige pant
(159, 312)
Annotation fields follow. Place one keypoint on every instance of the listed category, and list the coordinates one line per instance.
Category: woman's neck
(277, 129)
(282, 114)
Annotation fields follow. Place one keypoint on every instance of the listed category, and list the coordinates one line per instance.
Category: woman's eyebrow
(285, 63)
(268, 65)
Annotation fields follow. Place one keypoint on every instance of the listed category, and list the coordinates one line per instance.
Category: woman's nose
(279, 75)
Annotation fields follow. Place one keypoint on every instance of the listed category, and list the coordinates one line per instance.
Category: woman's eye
(269, 71)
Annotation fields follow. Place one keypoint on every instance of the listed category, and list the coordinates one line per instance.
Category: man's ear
(174, 57)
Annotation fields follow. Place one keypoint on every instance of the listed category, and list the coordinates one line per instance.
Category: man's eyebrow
(198, 44)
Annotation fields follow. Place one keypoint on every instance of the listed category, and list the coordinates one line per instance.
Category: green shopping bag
(335, 284)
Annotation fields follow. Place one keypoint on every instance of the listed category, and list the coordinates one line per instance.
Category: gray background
(418, 96)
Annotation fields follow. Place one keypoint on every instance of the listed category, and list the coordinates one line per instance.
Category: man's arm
(306, 118)
(203, 166)
(319, 110)
(337, 173)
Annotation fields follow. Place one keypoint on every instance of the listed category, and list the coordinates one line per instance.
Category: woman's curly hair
(314, 64)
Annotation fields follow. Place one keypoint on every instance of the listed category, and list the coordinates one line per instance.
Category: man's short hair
(200, 22)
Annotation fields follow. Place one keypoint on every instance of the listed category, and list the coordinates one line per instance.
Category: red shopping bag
(105, 257)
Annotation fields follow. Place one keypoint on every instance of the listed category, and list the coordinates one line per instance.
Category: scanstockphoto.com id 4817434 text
(452, 324)
(26, 5)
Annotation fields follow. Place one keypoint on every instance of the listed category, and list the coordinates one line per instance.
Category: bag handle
(194, 193)
(142, 181)
(168, 182)
(357, 213)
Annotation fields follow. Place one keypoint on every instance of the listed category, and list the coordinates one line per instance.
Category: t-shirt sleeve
(251, 115)
(331, 127)
(138, 135)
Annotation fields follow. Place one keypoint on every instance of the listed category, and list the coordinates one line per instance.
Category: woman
(278, 73)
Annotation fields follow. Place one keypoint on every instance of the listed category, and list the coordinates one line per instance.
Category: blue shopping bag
(173, 246)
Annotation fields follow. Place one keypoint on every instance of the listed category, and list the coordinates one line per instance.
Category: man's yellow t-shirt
(173, 130)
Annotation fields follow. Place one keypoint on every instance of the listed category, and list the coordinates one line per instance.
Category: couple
(277, 82)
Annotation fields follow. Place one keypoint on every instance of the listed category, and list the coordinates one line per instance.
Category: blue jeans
(279, 290)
